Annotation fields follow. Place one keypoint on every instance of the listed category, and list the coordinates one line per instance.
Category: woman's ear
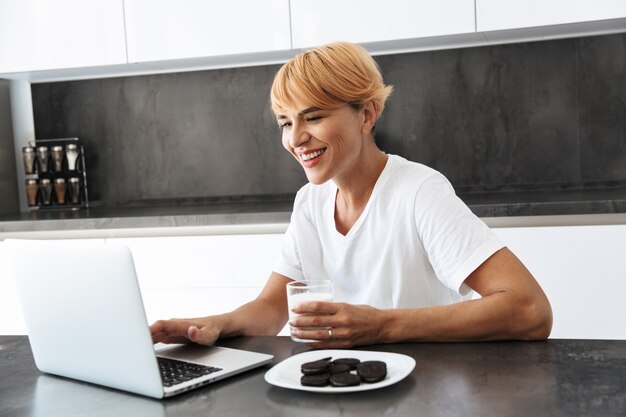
(370, 113)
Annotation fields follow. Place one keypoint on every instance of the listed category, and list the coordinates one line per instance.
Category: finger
(162, 337)
(175, 340)
(323, 321)
(170, 327)
(157, 327)
(158, 337)
(321, 334)
(337, 338)
(321, 307)
(169, 331)
(201, 335)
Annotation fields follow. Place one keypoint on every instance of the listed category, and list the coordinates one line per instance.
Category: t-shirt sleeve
(456, 241)
(288, 262)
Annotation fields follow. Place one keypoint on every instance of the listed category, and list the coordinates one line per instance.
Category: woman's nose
(298, 136)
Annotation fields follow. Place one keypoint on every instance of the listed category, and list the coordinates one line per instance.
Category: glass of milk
(302, 291)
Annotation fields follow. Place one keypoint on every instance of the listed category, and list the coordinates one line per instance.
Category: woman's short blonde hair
(328, 77)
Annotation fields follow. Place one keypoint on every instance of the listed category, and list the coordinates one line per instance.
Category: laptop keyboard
(174, 372)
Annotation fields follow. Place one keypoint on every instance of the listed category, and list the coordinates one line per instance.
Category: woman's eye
(282, 126)
(313, 118)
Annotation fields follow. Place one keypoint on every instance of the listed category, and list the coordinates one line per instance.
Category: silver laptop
(85, 320)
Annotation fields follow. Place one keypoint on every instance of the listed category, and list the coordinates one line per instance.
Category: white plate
(287, 373)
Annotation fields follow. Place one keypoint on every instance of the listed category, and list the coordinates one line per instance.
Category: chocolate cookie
(338, 368)
(317, 380)
(345, 379)
(351, 362)
(316, 367)
(372, 371)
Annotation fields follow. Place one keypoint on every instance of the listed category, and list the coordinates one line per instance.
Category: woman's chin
(315, 179)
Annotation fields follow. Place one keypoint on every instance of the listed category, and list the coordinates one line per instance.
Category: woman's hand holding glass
(337, 325)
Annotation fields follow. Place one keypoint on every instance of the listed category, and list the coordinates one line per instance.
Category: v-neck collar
(359, 222)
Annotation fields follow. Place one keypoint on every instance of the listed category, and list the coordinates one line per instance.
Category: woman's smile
(309, 159)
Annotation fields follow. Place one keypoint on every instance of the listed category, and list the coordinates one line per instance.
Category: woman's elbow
(536, 320)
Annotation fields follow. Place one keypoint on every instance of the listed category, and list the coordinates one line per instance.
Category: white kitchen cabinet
(217, 261)
(323, 21)
(201, 275)
(11, 321)
(160, 30)
(508, 14)
(582, 269)
(40, 35)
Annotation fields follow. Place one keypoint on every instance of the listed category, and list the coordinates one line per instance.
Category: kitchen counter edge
(263, 218)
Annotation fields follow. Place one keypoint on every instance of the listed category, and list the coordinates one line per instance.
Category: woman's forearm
(255, 318)
(499, 316)
(265, 315)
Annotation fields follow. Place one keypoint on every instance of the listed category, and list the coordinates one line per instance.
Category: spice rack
(56, 176)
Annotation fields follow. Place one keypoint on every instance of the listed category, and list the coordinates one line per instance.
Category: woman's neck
(353, 191)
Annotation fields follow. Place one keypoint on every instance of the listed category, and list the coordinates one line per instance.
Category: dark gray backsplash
(537, 113)
(541, 114)
(172, 136)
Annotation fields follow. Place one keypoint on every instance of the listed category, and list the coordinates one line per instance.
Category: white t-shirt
(413, 245)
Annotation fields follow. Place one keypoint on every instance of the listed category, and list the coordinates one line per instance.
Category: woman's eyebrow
(309, 110)
(300, 114)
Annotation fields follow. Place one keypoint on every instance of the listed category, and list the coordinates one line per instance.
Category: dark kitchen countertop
(551, 378)
(270, 212)
(546, 202)
(156, 216)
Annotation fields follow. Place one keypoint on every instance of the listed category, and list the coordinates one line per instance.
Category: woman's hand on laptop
(200, 330)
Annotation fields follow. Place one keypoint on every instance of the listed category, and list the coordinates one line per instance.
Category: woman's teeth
(309, 156)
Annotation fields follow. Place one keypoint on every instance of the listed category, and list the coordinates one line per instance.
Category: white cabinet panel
(42, 35)
(170, 303)
(323, 21)
(508, 14)
(197, 302)
(11, 320)
(167, 29)
(201, 275)
(220, 261)
(582, 269)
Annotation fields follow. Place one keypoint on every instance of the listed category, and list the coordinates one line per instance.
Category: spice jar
(57, 153)
(31, 192)
(71, 152)
(60, 187)
(45, 191)
(74, 190)
(28, 153)
(43, 154)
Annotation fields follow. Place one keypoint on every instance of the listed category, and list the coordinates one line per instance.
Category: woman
(403, 251)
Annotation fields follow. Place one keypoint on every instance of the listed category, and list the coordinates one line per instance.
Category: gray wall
(9, 202)
(533, 115)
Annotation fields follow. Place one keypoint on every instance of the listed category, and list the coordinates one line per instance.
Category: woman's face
(327, 143)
